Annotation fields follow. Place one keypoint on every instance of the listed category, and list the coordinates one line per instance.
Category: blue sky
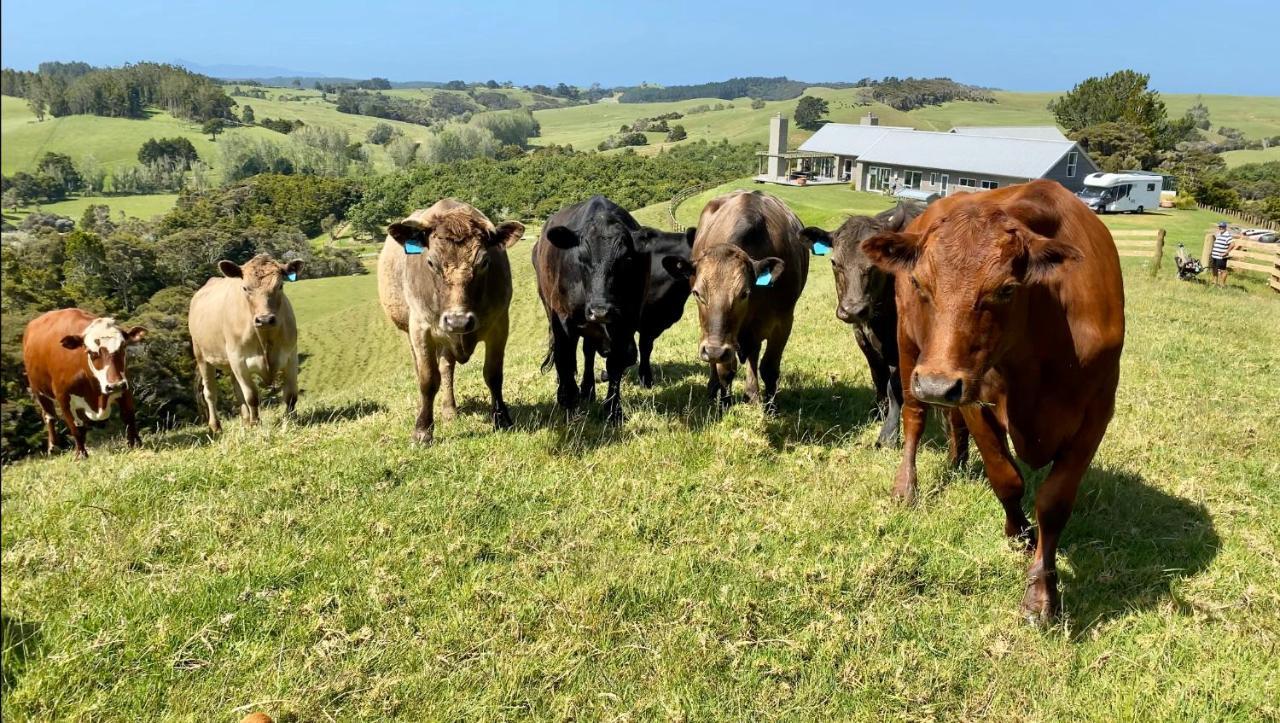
(1216, 47)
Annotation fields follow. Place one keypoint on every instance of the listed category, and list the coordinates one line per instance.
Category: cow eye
(245, 289)
(1003, 294)
(919, 289)
(482, 262)
(432, 264)
(697, 295)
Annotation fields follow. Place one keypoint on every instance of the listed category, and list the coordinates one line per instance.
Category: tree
(491, 84)
(1121, 97)
(1118, 146)
(677, 133)
(455, 85)
(61, 169)
(246, 114)
(459, 142)
(1199, 115)
(380, 134)
(513, 127)
(297, 83)
(179, 151)
(403, 150)
(809, 112)
(213, 127)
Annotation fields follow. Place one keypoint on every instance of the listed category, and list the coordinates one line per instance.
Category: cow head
(613, 253)
(723, 280)
(105, 343)
(860, 284)
(262, 281)
(456, 247)
(970, 272)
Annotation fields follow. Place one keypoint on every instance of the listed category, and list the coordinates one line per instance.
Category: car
(1261, 235)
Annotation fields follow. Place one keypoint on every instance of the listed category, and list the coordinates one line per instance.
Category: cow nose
(599, 313)
(458, 322)
(715, 353)
(937, 388)
(115, 386)
(264, 320)
(849, 312)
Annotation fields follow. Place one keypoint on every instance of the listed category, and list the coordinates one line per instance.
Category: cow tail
(549, 360)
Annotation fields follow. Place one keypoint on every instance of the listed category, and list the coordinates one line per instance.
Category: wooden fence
(1250, 219)
(1248, 256)
(1143, 243)
(681, 197)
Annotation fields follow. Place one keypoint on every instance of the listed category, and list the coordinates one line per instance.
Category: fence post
(1155, 262)
(1208, 249)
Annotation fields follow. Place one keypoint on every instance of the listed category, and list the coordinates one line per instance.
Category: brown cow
(76, 364)
(243, 323)
(1011, 309)
(749, 263)
(444, 279)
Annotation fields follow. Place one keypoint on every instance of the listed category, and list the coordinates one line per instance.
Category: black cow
(592, 263)
(663, 304)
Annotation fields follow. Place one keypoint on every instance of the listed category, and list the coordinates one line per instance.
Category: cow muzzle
(947, 390)
(600, 313)
(264, 320)
(715, 353)
(850, 312)
(112, 387)
(458, 322)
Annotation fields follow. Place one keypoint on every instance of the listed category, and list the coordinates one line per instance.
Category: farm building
(878, 158)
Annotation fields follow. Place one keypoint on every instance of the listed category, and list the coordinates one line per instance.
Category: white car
(1261, 235)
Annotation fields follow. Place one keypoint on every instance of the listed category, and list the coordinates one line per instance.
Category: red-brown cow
(1011, 308)
(75, 364)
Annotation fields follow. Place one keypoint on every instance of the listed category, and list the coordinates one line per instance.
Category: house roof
(1042, 133)
(979, 154)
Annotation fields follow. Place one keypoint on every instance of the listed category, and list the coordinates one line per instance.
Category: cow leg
(1006, 480)
(129, 413)
(720, 388)
(893, 408)
(751, 385)
(771, 365)
(646, 350)
(880, 374)
(77, 432)
(47, 413)
(913, 419)
(495, 350)
(449, 403)
(587, 390)
(291, 383)
(616, 365)
(426, 365)
(1054, 502)
(248, 392)
(957, 439)
(564, 349)
(209, 390)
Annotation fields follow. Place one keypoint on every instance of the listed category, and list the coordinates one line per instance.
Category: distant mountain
(246, 72)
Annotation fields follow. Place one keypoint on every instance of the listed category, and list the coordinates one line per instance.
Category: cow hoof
(1040, 604)
(448, 414)
(1023, 537)
(81, 454)
(887, 441)
(587, 393)
(646, 378)
(904, 489)
(614, 415)
(502, 418)
(135, 443)
(567, 398)
(423, 436)
(770, 408)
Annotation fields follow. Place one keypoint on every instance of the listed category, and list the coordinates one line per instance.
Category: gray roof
(1042, 133)
(978, 154)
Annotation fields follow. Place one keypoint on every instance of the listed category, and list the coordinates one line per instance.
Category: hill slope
(685, 565)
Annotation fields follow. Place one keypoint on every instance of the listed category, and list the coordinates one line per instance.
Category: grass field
(1239, 158)
(688, 565)
(143, 206)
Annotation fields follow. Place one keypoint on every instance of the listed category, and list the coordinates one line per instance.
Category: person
(1223, 244)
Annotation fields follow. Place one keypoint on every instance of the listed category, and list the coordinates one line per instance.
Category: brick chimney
(777, 144)
(870, 119)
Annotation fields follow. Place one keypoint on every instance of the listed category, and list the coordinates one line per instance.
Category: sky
(1186, 47)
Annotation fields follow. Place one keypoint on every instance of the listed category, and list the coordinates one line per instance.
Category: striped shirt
(1220, 244)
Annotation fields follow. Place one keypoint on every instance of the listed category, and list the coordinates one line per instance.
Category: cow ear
(507, 234)
(689, 234)
(893, 251)
(767, 271)
(678, 266)
(135, 335)
(1045, 256)
(292, 268)
(72, 341)
(818, 240)
(229, 269)
(561, 237)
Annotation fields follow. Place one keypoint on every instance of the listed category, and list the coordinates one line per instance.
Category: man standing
(1223, 244)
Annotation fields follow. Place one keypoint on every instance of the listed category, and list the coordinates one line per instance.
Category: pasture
(689, 565)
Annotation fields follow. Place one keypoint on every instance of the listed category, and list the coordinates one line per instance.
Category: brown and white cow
(748, 265)
(1011, 309)
(243, 323)
(76, 366)
(444, 279)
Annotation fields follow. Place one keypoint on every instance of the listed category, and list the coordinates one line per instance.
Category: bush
(677, 133)
(757, 104)
(622, 140)
(381, 134)
(512, 127)
(178, 150)
(459, 142)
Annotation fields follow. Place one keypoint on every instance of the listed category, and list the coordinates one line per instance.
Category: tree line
(910, 93)
(780, 88)
(61, 89)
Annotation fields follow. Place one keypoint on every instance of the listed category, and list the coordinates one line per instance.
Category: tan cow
(444, 279)
(242, 322)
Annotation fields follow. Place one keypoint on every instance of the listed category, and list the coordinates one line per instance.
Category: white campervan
(1121, 192)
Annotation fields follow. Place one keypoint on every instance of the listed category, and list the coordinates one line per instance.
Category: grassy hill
(687, 565)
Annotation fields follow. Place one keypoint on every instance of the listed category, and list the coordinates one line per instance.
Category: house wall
(1073, 182)
(931, 178)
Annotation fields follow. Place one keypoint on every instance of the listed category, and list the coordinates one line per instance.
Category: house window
(990, 184)
(967, 182)
(933, 179)
(877, 178)
(1072, 160)
(911, 179)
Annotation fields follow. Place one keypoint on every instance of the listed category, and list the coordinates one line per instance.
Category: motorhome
(1126, 192)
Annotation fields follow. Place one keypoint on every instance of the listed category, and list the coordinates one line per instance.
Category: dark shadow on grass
(1128, 542)
(21, 642)
(327, 414)
(821, 412)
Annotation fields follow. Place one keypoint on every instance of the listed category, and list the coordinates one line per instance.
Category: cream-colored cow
(242, 322)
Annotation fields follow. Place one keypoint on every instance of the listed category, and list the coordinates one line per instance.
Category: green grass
(685, 566)
(143, 207)
(1239, 158)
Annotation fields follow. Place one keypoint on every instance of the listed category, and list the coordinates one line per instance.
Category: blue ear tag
(293, 275)
(412, 248)
(820, 249)
(764, 279)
